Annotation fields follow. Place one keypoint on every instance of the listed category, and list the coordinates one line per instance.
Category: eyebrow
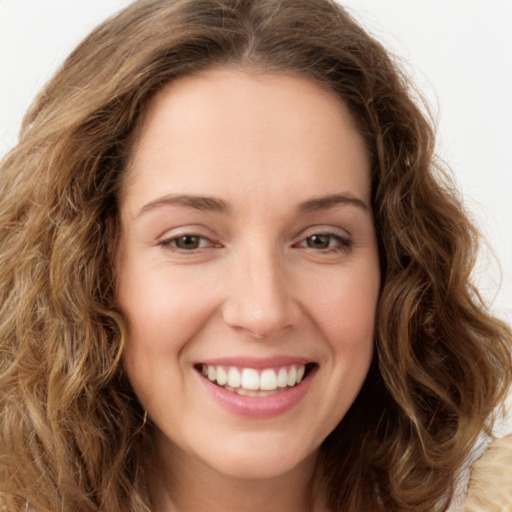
(330, 201)
(201, 203)
(214, 204)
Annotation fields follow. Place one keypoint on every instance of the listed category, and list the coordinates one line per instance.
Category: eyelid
(323, 229)
(186, 229)
(344, 238)
(344, 242)
(168, 240)
(169, 236)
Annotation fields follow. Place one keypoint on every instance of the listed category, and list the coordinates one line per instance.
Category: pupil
(188, 242)
(319, 241)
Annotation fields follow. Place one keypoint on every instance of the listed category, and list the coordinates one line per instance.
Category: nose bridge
(260, 300)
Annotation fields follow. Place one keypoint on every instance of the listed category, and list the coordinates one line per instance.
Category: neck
(184, 484)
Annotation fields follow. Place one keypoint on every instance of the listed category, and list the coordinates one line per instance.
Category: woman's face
(248, 269)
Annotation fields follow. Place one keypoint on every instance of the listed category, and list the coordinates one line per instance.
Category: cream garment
(485, 480)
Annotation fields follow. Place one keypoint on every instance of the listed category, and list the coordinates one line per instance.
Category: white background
(459, 53)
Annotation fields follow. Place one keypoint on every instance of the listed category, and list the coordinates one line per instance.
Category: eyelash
(342, 244)
(169, 243)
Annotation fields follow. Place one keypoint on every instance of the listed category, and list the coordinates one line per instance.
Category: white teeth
(282, 378)
(222, 376)
(300, 374)
(250, 379)
(234, 378)
(251, 382)
(292, 376)
(268, 380)
(247, 392)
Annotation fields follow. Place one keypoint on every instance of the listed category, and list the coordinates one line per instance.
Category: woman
(234, 277)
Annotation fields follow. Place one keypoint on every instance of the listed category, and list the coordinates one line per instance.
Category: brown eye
(319, 241)
(188, 242)
(326, 242)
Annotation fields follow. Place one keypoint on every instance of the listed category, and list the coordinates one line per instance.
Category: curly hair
(70, 425)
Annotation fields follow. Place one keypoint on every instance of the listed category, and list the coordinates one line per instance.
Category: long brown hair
(70, 426)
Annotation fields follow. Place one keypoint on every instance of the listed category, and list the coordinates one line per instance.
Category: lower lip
(259, 406)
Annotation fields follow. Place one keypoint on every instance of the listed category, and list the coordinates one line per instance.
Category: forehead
(205, 132)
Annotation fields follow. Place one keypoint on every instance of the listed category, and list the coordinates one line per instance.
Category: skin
(257, 285)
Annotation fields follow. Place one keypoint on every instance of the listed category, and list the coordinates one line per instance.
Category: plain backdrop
(459, 53)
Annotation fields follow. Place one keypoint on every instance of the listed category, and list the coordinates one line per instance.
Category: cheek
(345, 316)
(162, 313)
(346, 312)
(161, 305)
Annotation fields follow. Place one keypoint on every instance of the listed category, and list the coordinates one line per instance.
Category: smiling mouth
(253, 382)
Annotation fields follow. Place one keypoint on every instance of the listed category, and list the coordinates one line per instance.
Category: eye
(319, 241)
(186, 242)
(326, 242)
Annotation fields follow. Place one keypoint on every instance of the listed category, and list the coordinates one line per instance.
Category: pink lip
(257, 363)
(258, 406)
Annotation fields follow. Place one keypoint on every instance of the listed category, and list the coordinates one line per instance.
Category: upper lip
(258, 363)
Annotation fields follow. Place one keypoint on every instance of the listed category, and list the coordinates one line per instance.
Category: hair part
(70, 425)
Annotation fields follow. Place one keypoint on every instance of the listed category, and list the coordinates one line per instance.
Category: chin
(260, 459)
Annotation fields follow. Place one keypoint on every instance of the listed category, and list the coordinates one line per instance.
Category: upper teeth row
(251, 379)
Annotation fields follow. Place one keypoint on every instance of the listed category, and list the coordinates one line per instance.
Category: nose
(260, 299)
